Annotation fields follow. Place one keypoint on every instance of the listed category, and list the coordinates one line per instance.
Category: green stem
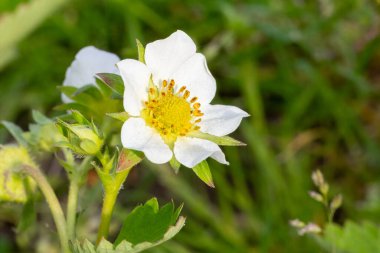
(53, 203)
(111, 190)
(108, 206)
(72, 204)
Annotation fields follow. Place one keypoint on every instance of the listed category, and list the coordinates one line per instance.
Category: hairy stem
(108, 206)
(54, 205)
(72, 204)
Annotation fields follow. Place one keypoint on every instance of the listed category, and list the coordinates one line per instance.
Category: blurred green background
(308, 73)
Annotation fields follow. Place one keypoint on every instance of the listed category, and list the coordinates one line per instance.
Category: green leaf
(28, 215)
(122, 116)
(141, 51)
(202, 170)
(125, 246)
(40, 118)
(147, 223)
(16, 132)
(220, 140)
(353, 237)
(113, 81)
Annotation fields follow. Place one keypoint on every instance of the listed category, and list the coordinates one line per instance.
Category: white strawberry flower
(168, 99)
(87, 63)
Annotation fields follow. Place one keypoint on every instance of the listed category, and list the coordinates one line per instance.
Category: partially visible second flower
(168, 99)
(12, 184)
(88, 62)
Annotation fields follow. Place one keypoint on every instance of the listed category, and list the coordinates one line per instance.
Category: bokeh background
(308, 73)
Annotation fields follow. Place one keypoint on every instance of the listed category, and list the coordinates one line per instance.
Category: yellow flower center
(171, 113)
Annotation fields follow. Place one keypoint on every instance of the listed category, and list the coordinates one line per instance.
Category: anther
(186, 95)
(198, 120)
(163, 94)
(197, 105)
(164, 83)
(193, 99)
(197, 127)
(197, 113)
(182, 89)
(151, 91)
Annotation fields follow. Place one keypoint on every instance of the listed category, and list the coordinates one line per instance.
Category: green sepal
(140, 51)
(220, 140)
(175, 164)
(113, 81)
(122, 116)
(202, 170)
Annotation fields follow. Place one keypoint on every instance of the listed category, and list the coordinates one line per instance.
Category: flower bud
(310, 228)
(316, 196)
(82, 139)
(317, 178)
(336, 202)
(12, 184)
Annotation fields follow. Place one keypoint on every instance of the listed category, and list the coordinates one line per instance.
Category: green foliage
(305, 70)
(148, 223)
(145, 227)
(353, 237)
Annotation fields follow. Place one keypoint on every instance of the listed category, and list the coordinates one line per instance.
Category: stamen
(197, 113)
(186, 95)
(170, 113)
(182, 89)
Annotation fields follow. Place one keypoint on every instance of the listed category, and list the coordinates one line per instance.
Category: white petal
(191, 151)
(88, 62)
(136, 79)
(164, 57)
(221, 120)
(135, 134)
(195, 75)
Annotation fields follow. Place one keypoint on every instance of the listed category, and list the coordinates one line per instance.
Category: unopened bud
(317, 178)
(310, 228)
(297, 223)
(316, 196)
(336, 202)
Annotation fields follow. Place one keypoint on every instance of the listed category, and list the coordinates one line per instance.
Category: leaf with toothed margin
(220, 140)
(140, 216)
(202, 170)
